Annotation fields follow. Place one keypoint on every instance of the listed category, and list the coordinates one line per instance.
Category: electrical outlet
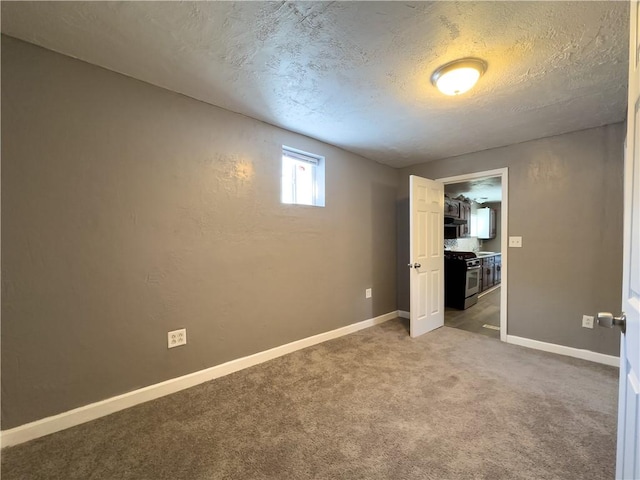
(367, 293)
(587, 321)
(515, 242)
(176, 338)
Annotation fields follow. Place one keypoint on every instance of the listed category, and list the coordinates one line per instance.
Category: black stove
(461, 275)
(453, 255)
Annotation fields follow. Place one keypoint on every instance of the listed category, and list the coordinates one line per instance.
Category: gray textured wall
(129, 211)
(565, 200)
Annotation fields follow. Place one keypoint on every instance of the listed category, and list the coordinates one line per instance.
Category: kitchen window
(302, 178)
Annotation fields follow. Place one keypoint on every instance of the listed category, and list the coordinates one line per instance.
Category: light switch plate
(515, 242)
(367, 293)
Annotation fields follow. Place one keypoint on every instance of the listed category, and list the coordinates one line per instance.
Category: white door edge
(503, 173)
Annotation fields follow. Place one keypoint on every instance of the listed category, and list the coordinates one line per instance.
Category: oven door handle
(474, 268)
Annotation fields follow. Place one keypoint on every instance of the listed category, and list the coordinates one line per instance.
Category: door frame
(503, 173)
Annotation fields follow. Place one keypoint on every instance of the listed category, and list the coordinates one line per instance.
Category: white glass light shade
(458, 76)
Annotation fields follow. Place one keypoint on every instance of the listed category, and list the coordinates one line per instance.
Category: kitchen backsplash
(467, 244)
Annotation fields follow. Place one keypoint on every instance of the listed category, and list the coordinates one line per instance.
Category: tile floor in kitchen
(473, 319)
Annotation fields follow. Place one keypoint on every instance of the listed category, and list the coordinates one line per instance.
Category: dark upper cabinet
(459, 210)
(451, 207)
(465, 214)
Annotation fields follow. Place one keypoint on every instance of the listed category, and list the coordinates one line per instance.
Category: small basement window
(302, 178)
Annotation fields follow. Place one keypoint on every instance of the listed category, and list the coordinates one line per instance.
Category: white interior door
(426, 225)
(628, 451)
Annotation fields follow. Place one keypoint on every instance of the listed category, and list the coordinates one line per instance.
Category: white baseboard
(62, 421)
(562, 350)
(554, 348)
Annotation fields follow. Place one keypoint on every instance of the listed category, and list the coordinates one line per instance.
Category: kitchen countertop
(487, 254)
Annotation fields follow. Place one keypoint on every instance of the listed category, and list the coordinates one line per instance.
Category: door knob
(414, 265)
(606, 319)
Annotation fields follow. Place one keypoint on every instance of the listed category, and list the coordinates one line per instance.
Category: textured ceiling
(356, 74)
(480, 190)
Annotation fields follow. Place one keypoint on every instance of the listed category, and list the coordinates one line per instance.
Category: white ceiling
(356, 74)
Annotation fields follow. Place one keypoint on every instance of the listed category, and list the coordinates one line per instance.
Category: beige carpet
(373, 405)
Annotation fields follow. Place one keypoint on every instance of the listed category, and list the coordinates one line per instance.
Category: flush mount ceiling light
(459, 76)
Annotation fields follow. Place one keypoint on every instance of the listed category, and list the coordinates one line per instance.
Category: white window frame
(317, 162)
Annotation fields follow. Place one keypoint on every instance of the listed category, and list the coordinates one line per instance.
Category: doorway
(482, 201)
